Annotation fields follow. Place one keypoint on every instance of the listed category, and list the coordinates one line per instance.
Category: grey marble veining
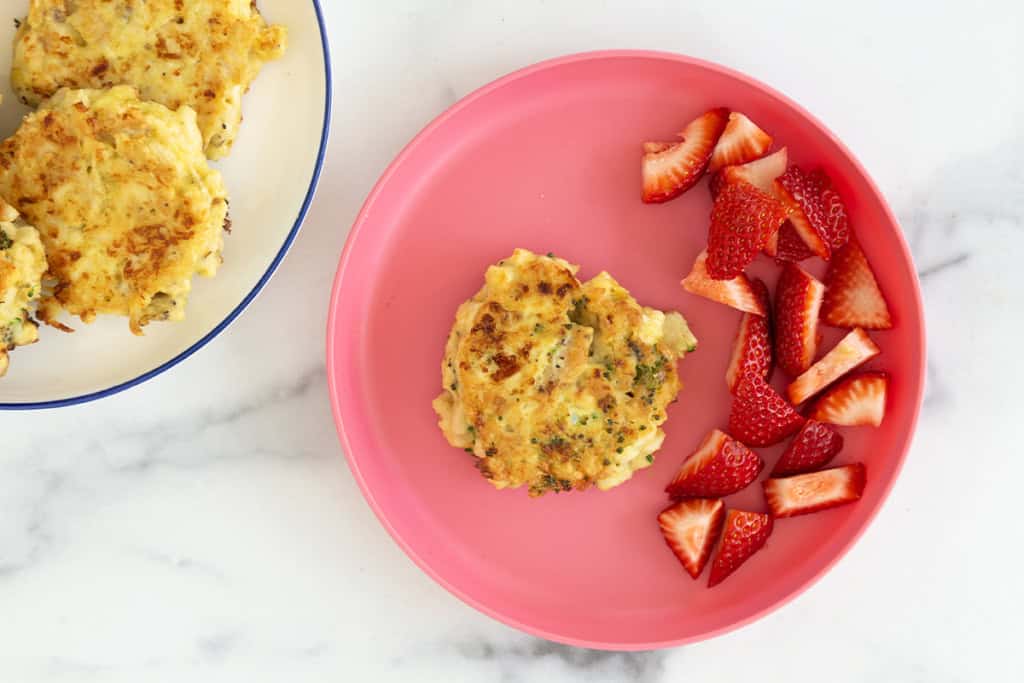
(203, 527)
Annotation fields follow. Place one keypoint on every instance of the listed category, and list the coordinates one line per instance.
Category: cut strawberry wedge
(761, 173)
(691, 528)
(759, 416)
(787, 245)
(720, 466)
(834, 223)
(812, 447)
(745, 533)
(742, 141)
(800, 194)
(852, 295)
(806, 493)
(670, 169)
(798, 299)
(742, 219)
(737, 292)
(850, 353)
(752, 349)
(857, 400)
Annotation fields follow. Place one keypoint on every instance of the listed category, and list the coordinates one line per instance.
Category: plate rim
(332, 343)
(257, 288)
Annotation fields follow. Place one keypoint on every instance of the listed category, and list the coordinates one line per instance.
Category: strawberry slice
(752, 350)
(745, 533)
(850, 353)
(807, 493)
(670, 169)
(857, 400)
(814, 445)
(759, 416)
(835, 224)
(800, 194)
(798, 299)
(691, 528)
(761, 173)
(852, 295)
(720, 466)
(741, 141)
(737, 292)
(742, 219)
(786, 245)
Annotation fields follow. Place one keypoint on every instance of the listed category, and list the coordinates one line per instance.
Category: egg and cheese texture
(22, 264)
(200, 53)
(124, 199)
(556, 384)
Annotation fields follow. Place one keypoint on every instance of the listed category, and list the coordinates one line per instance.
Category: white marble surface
(205, 527)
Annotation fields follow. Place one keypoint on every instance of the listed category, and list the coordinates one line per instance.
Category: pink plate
(547, 158)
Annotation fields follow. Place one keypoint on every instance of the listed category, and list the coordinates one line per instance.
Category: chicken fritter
(200, 53)
(556, 384)
(22, 264)
(124, 199)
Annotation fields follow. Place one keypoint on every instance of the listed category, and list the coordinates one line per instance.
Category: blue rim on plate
(314, 181)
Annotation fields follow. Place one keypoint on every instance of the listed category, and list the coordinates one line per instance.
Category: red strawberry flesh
(742, 219)
(752, 349)
(691, 528)
(670, 171)
(835, 224)
(720, 466)
(801, 196)
(759, 416)
(745, 533)
(812, 447)
(852, 295)
(789, 246)
(798, 299)
(803, 494)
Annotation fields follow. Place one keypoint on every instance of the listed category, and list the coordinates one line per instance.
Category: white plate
(271, 175)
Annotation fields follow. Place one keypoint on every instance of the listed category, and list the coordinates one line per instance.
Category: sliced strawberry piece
(720, 466)
(857, 400)
(669, 171)
(761, 173)
(759, 416)
(798, 298)
(745, 533)
(752, 350)
(800, 194)
(814, 446)
(852, 295)
(741, 141)
(850, 353)
(835, 223)
(691, 528)
(742, 219)
(787, 245)
(807, 493)
(737, 292)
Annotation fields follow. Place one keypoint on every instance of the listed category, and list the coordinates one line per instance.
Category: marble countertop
(205, 526)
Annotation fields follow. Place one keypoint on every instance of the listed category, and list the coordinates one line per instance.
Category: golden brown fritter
(126, 203)
(201, 53)
(558, 384)
(22, 264)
